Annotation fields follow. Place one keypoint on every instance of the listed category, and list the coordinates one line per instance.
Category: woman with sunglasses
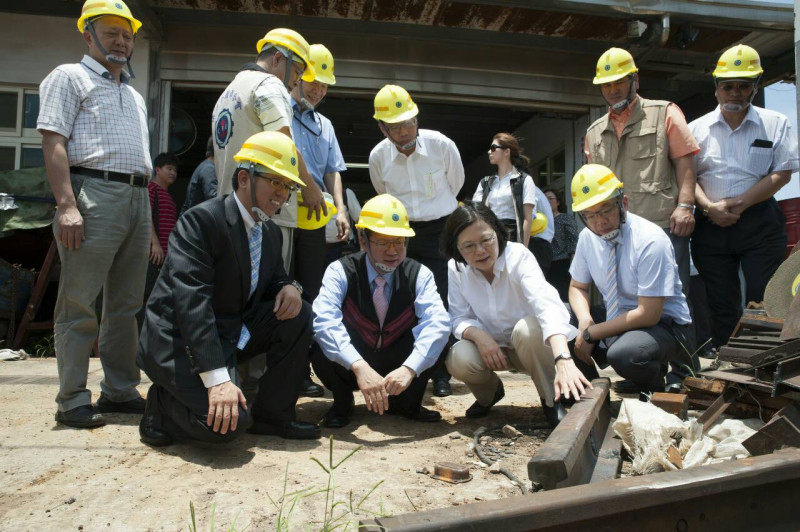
(510, 193)
(504, 315)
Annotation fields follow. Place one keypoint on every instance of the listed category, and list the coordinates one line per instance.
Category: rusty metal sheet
(748, 494)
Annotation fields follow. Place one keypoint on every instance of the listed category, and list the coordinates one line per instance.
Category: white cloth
(728, 163)
(645, 267)
(518, 290)
(501, 199)
(543, 206)
(427, 181)
(105, 123)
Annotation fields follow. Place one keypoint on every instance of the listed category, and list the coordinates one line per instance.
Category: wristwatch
(562, 356)
(587, 337)
(298, 286)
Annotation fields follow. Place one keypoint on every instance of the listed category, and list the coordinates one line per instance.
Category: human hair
(235, 181)
(465, 215)
(210, 147)
(561, 206)
(510, 142)
(163, 159)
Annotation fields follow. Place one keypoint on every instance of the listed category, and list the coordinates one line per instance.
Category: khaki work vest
(640, 159)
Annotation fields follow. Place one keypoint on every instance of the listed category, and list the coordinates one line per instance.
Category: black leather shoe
(441, 388)
(290, 430)
(134, 406)
(151, 433)
(424, 415)
(554, 414)
(478, 410)
(629, 387)
(311, 389)
(81, 417)
(337, 417)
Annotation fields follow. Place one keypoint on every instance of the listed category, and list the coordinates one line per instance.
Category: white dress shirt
(501, 199)
(427, 181)
(517, 291)
(543, 206)
(730, 163)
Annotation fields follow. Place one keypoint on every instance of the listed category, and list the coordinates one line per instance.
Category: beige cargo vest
(640, 159)
(233, 121)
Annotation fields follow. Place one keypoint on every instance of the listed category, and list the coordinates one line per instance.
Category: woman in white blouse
(510, 193)
(504, 315)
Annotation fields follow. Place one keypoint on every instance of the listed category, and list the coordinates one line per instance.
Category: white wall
(33, 45)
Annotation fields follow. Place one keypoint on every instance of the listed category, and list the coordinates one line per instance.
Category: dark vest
(516, 191)
(358, 311)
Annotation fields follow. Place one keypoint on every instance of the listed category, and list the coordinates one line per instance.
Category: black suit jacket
(194, 315)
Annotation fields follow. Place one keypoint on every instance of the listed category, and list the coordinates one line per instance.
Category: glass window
(8, 110)
(32, 157)
(7, 158)
(30, 110)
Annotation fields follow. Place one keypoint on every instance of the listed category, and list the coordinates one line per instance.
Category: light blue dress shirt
(315, 139)
(430, 333)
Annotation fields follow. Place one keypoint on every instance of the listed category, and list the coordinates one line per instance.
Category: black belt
(134, 180)
(427, 223)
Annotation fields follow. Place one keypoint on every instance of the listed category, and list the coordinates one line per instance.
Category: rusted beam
(609, 460)
(568, 456)
(674, 403)
(748, 494)
(717, 408)
(779, 432)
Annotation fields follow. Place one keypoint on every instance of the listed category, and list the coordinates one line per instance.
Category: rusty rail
(749, 494)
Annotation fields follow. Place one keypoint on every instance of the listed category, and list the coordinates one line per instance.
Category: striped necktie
(612, 296)
(380, 302)
(254, 243)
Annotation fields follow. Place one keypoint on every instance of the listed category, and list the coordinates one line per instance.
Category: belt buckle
(132, 180)
(105, 175)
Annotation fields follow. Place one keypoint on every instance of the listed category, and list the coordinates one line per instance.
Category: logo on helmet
(395, 217)
(293, 161)
(738, 62)
(118, 6)
(324, 66)
(608, 67)
(223, 129)
(398, 104)
(585, 190)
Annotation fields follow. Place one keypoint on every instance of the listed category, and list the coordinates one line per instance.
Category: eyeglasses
(741, 87)
(602, 213)
(382, 245)
(299, 68)
(469, 248)
(394, 128)
(496, 147)
(277, 183)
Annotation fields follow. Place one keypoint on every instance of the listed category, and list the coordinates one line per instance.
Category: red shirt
(167, 212)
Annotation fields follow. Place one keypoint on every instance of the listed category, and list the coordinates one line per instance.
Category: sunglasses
(496, 147)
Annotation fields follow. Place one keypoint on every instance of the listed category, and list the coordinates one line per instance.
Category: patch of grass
(44, 347)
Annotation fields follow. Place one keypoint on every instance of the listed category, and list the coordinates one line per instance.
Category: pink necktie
(379, 299)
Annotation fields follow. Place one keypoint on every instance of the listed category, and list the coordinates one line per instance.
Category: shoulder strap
(486, 184)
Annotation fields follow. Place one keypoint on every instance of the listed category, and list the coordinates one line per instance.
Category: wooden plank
(737, 410)
(674, 403)
(779, 352)
(609, 459)
(736, 376)
(778, 433)
(750, 397)
(568, 456)
(713, 386)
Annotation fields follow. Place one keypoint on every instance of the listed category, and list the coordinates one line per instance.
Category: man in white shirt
(423, 169)
(631, 262)
(746, 155)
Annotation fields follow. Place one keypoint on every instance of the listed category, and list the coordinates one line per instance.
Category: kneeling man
(379, 321)
(223, 297)
(632, 264)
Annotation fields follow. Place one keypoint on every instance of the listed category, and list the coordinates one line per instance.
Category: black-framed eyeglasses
(741, 87)
(496, 147)
(277, 183)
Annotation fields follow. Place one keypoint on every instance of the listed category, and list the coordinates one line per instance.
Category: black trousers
(543, 251)
(559, 277)
(424, 248)
(183, 410)
(309, 261)
(342, 381)
(757, 243)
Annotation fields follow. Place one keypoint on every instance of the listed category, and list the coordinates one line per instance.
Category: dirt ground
(62, 479)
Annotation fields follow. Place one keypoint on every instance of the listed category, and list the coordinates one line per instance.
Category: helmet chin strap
(621, 105)
(305, 103)
(261, 215)
(612, 235)
(738, 107)
(111, 58)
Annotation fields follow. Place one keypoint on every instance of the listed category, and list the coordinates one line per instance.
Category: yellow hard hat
(293, 41)
(593, 184)
(614, 64)
(100, 8)
(274, 151)
(538, 224)
(386, 215)
(741, 61)
(322, 60)
(394, 104)
(309, 224)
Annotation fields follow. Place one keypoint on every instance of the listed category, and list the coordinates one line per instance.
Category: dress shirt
(501, 199)
(517, 291)
(427, 181)
(728, 164)
(105, 123)
(219, 375)
(430, 333)
(315, 139)
(543, 206)
(645, 267)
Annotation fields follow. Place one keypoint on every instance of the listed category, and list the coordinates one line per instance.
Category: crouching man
(223, 297)
(379, 321)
